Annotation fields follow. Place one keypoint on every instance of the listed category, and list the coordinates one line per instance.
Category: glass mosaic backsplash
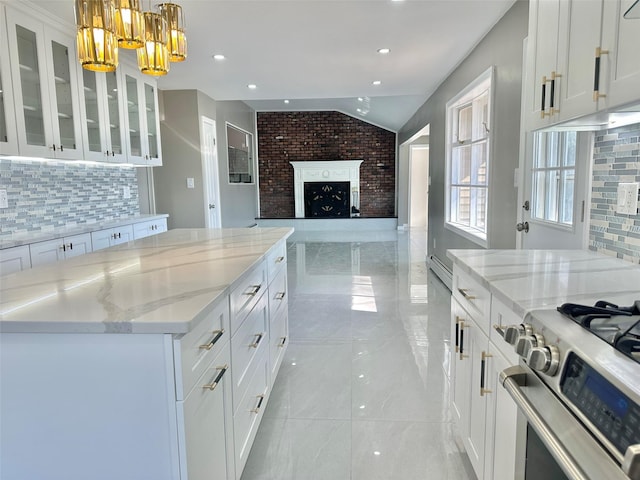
(616, 159)
(47, 195)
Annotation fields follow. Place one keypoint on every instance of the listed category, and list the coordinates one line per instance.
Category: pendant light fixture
(172, 13)
(96, 39)
(129, 26)
(153, 57)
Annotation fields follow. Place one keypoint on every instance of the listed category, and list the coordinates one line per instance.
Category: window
(468, 155)
(553, 175)
(240, 150)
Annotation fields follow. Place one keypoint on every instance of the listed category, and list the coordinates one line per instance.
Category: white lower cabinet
(146, 229)
(205, 426)
(14, 259)
(52, 251)
(112, 236)
(484, 413)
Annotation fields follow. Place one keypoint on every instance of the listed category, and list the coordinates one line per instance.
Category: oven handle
(512, 379)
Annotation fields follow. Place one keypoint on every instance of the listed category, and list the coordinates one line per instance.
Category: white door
(210, 172)
(555, 205)
(418, 185)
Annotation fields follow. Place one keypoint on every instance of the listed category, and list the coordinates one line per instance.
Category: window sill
(469, 234)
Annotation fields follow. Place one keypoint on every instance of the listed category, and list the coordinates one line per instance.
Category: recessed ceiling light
(219, 56)
(286, 101)
(384, 50)
(376, 82)
(252, 86)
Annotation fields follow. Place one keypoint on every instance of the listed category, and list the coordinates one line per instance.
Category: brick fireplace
(285, 137)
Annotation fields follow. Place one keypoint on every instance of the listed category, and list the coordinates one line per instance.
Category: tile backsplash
(616, 160)
(47, 195)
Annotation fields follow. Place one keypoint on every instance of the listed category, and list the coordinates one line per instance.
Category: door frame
(411, 185)
(210, 173)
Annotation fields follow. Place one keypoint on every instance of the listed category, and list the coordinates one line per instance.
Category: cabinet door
(101, 239)
(64, 95)
(14, 259)
(114, 117)
(502, 417)
(206, 425)
(95, 134)
(541, 61)
(135, 136)
(152, 123)
(621, 38)
(33, 109)
(77, 245)
(8, 132)
(43, 253)
(458, 372)
(122, 235)
(579, 35)
(476, 345)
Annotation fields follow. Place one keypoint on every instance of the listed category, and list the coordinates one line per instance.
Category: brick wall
(284, 137)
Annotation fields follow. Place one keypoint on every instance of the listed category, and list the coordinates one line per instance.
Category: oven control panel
(612, 412)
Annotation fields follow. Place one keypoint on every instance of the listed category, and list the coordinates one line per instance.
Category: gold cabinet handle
(463, 292)
(211, 386)
(458, 321)
(280, 295)
(282, 342)
(216, 336)
(279, 260)
(483, 361)
(462, 326)
(260, 399)
(258, 340)
(254, 289)
(596, 74)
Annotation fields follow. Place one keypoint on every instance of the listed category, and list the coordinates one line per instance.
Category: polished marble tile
(366, 369)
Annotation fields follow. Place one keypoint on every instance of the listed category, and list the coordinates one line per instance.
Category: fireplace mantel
(325, 171)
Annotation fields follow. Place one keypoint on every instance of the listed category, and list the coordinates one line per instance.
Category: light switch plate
(191, 183)
(627, 203)
(4, 200)
(126, 192)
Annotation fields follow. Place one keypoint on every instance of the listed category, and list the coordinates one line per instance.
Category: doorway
(418, 185)
(210, 172)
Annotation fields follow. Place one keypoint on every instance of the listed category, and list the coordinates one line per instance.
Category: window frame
(251, 152)
(467, 96)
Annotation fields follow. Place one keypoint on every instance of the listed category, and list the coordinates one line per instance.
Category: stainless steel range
(578, 391)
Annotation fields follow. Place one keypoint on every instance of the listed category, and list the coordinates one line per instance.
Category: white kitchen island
(152, 360)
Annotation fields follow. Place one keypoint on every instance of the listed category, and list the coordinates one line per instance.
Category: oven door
(553, 444)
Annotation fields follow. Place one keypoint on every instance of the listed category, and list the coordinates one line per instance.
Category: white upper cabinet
(143, 140)
(8, 132)
(582, 58)
(103, 116)
(44, 73)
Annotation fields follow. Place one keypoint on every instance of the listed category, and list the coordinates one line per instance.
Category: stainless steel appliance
(577, 388)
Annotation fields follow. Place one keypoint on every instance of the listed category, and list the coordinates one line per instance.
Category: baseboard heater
(441, 271)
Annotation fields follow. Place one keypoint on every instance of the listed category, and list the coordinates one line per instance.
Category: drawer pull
(280, 295)
(462, 355)
(483, 361)
(255, 289)
(463, 292)
(279, 259)
(458, 321)
(257, 409)
(258, 340)
(284, 340)
(216, 381)
(217, 335)
(499, 329)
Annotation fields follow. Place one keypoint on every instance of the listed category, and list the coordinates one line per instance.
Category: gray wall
(502, 48)
(54, 194)
(239, 201)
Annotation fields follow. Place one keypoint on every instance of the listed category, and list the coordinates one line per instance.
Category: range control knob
(513, 332)
(527, 342)
(544, 359)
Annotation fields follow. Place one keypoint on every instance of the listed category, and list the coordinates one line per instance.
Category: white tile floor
(362, 393)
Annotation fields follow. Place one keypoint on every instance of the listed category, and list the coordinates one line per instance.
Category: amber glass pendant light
(96, 36)
(172, 13)
(129, 25)
(153, 57)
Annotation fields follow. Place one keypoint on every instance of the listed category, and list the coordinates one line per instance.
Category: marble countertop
(544, 279)
(17, 240)
(165, 283)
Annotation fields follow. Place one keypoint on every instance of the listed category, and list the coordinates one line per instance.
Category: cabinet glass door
(113, 106)
(133, 112)
(92, 109)
(64, 96)
(30, 82)
(152, 127)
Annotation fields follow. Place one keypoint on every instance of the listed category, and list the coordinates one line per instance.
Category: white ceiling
(322, 55)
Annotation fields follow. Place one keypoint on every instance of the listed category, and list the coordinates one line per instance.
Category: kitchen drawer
(473, 297)
(278, 342)
(278, 293)
(248, 344)
(276, 259)
(205, 438)
(247, 417)
(151, 227)
(501, 317)
(195, 349)
(14, 259)
(246, 293)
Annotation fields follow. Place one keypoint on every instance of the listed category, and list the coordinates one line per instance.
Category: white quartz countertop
(538, 279)
(165, 283)
(8, 241)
